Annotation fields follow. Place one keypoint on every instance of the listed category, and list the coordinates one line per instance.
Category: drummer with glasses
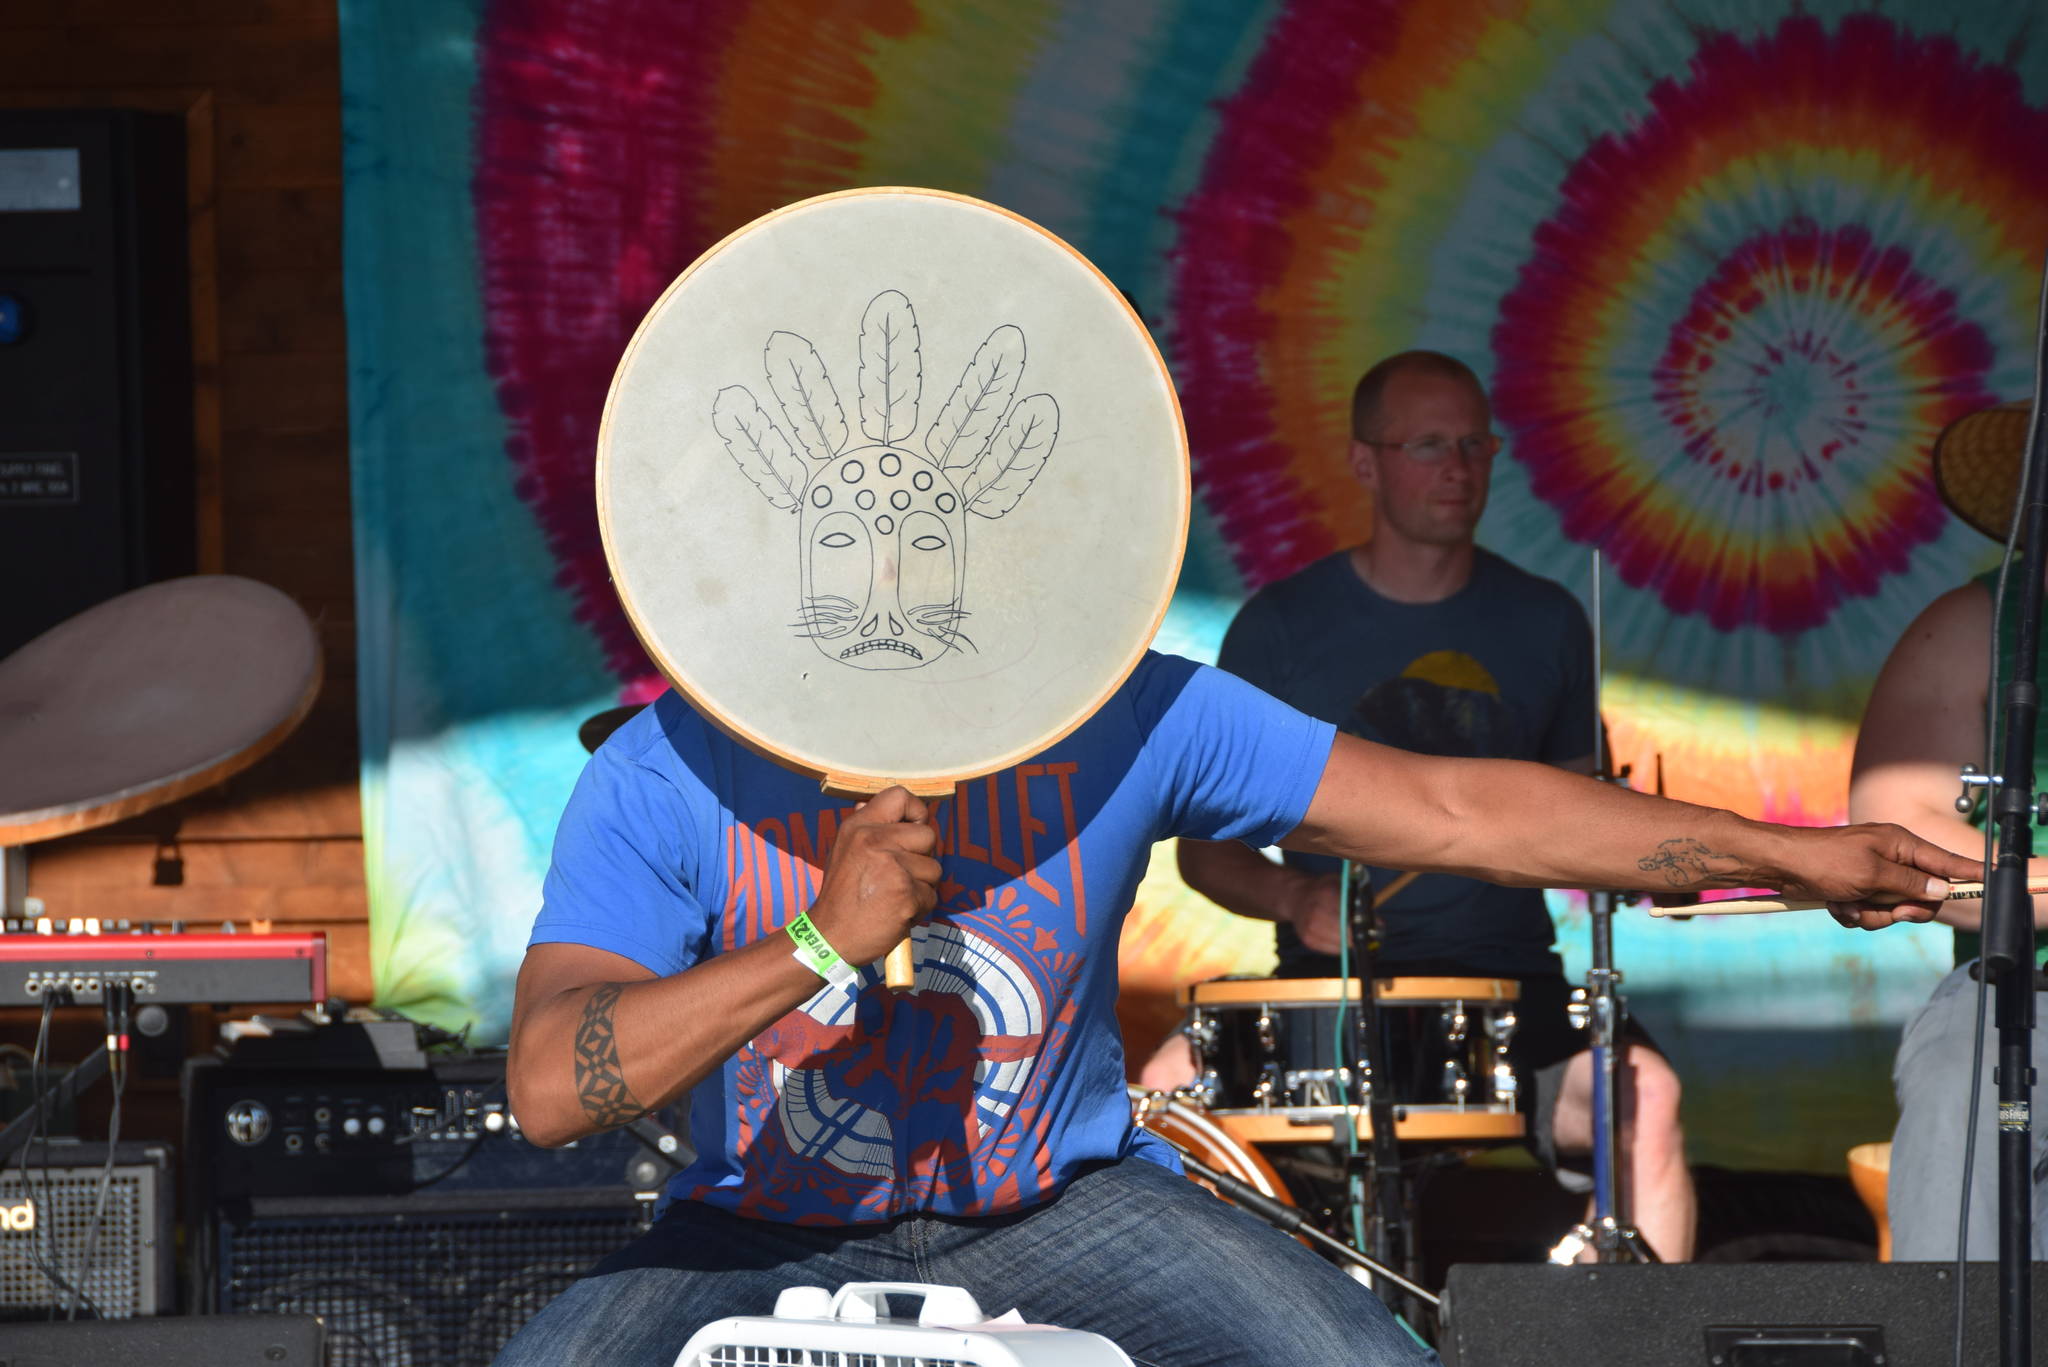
(1420, 638)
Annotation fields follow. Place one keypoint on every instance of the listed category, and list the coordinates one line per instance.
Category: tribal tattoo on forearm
(600, 1081)
(1686, 860)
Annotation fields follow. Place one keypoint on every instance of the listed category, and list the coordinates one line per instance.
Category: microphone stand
(2008, 949)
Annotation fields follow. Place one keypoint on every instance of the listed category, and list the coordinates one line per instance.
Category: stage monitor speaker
(1733, 1315)
(47, 1219)
(197, 1341)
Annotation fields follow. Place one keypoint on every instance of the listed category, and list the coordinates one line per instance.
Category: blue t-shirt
(1503, 668)
(1001, 1075)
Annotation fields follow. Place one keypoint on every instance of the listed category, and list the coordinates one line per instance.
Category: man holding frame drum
(712, 923)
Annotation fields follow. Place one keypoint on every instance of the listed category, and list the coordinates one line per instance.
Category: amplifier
(295, 1131)
(47, 1209)
(401, 1205)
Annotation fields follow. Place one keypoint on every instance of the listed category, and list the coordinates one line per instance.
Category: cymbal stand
(1601, 1010)
(1389, 1234)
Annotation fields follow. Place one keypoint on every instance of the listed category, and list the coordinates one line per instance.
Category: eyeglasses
(1430, 449)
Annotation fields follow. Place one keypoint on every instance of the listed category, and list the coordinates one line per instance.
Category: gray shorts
(1931, 1077)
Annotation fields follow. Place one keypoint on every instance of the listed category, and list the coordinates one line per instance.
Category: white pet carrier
(812, 1327)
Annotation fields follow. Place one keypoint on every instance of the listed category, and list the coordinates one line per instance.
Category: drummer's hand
(1312, 907)
(1874, 875)
(881, 878)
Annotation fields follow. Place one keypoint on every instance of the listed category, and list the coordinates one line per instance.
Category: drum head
(894, 487)
(146, 698)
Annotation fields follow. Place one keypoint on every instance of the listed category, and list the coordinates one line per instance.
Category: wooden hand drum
(146, 698)
(894, 488)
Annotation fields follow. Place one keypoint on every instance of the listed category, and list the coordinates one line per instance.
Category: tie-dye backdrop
(1728, 265)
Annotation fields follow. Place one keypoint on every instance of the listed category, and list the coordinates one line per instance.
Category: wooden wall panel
(259, 84)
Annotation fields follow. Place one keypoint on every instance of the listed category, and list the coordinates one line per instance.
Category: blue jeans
(1130, 1251)
(1932, 1078)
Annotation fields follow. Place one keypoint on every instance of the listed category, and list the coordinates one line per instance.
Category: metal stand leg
(1599, 1008)
(1603, 1010)
(1389, 1226)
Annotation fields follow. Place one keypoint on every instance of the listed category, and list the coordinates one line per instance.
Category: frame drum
(894, 488)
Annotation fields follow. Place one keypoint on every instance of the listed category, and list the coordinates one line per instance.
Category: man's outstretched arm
(1531, 825)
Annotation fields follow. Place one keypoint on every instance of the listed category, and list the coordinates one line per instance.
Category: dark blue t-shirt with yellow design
(1502, 669)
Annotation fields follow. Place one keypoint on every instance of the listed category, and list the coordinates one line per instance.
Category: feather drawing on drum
(882, 528)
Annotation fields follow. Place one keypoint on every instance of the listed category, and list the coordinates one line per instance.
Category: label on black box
(39, 477)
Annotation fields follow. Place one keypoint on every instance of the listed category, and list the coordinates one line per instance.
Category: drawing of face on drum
(884, 536)
(883, 531)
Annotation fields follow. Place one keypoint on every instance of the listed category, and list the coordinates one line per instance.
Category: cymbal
(596, 730)
(148, 698)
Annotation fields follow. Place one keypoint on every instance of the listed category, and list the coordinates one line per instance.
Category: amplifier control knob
(248, 1122)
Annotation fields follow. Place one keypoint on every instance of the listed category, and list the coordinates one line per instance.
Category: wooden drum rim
(1410, 1126)
(1331, 991)
(1229, 1153)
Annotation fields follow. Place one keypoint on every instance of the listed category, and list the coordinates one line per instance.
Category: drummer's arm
(1924, 721)
(1238, 878)
(598, 1040)
(1533, 825)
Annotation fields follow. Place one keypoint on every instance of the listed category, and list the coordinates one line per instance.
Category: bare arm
(597, 1040)
(1531, 825)
(1240, 879)
(1924, 721)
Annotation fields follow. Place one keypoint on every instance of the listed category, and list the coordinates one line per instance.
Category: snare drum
(1202, 1139)
(1278, 1056)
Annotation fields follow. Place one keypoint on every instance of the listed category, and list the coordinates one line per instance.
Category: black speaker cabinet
(1733, 1315)
(52, 1216)
(96, 440)
(199, 1341)
(400, 1205)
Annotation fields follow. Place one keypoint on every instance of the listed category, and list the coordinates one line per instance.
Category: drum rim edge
(1395, 991)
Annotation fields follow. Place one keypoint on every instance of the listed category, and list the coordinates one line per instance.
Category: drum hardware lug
(1268, 1040)
(1200, 1032)
(1270, 1085)
(1505, 1088)
(1973, 777)
(1502, 1028)
(1456, 1023)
